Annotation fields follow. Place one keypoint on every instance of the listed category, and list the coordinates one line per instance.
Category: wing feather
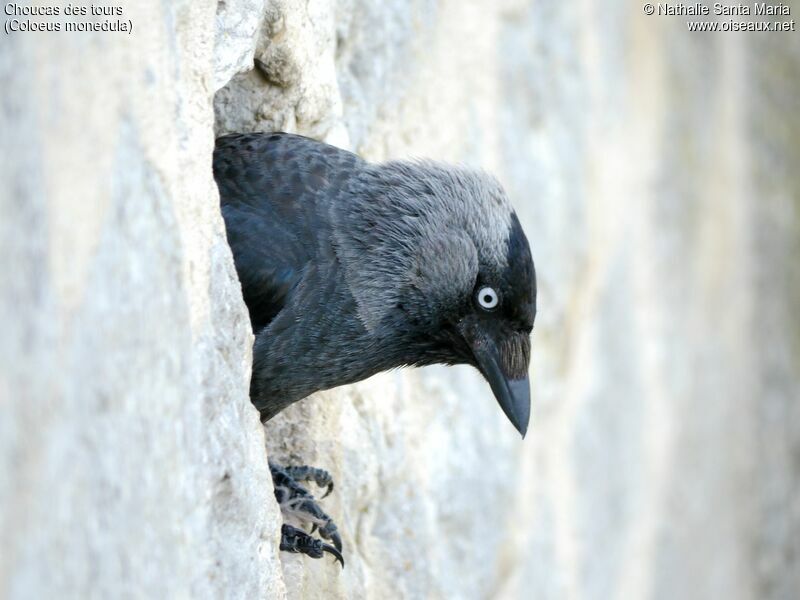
(275, 191)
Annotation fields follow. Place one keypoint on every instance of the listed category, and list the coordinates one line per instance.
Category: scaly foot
(297, 503)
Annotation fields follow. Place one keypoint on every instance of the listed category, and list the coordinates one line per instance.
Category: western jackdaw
(350, 268)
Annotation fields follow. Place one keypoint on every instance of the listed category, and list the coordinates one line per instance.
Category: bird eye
(487, 298)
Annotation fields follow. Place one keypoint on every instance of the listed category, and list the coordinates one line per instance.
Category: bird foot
(297, 540)
(298, 504)
(319, 476)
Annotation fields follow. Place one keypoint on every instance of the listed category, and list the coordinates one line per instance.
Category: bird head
(443, 272)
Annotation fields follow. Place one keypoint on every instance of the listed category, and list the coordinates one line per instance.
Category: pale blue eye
(487, 298)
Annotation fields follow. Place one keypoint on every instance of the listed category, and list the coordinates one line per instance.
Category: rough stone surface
(238, 24)
(650, 168)
(131, 461)
(655, 172)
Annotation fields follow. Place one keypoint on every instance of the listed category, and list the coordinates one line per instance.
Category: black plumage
(349, 268)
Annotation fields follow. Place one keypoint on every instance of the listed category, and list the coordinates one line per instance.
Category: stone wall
(132, 461)
(655, 172)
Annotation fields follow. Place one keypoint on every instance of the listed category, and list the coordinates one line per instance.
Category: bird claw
(330, 489)
(319, 476)
(298, 541)
(328, 531)
(295, 501)
(333, 537)
(335, 552)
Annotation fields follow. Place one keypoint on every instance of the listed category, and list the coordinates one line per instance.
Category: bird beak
(504, 364)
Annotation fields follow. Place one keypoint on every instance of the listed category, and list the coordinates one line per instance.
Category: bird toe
(297, 541)
(298, 505)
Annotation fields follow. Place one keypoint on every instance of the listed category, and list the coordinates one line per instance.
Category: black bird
(350, 268)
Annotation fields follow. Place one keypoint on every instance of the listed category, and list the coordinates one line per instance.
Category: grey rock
(131, 461)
